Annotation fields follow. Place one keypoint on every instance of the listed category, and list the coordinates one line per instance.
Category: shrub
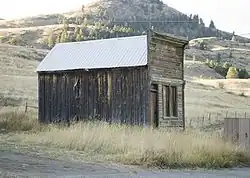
(221, 85)
(242, 73)
(232, 73)
(242, 94)
(19, 121)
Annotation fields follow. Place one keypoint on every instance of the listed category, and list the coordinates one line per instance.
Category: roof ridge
(100, 40)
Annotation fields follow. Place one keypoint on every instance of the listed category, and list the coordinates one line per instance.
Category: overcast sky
(228, 15)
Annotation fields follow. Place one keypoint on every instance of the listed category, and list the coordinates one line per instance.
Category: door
(154, 121)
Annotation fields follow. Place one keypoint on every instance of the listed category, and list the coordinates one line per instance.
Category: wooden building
(136, 80)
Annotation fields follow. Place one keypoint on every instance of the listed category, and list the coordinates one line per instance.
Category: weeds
(18, 121)
(243, 94)
(130, 145)
(221, 85)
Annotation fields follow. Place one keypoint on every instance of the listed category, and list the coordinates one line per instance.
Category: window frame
(170, 101)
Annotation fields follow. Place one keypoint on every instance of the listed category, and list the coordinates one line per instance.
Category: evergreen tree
(243, 74)
(202, 22)
(85, 22)
(218, 58)
(50, 41)
(58, 38)
(76, 31)
(211, 25)
(64, 37)
(196, 19)
(79, 36)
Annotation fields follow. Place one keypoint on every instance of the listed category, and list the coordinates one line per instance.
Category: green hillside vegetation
(227, 70)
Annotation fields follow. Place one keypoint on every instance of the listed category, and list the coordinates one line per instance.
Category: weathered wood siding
(237, 130)
(113, 95)
(166, 59)
(166, 68)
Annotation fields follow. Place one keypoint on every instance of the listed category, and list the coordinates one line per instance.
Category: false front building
(136, 80)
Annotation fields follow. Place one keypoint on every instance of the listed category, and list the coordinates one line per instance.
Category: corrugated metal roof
(106, 53)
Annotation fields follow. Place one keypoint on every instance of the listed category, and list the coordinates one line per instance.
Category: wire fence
(213, 120)
(207, 121)
(29, 106)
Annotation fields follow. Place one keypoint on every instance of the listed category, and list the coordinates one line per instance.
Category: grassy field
(127, 145)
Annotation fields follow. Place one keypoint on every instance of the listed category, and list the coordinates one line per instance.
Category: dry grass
(129, 145)
(19, 122)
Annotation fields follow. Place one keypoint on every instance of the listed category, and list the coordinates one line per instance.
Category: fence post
(190, 123)
(209, 118)
(202, 121)
(26, 107)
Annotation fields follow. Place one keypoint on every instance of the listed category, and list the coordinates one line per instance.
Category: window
(170, 108)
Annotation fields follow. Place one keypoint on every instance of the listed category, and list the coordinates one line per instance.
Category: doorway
(154, 121)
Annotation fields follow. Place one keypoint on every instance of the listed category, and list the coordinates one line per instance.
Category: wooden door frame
(153, 122)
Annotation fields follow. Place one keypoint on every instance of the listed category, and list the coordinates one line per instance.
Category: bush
(221, 85)
(220, 70)
(242, 73)
(232, 73)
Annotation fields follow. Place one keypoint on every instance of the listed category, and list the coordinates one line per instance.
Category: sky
(228, 15)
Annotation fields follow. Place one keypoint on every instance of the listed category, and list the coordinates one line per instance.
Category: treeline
(227, 70)
(81, 29)
(87, 31)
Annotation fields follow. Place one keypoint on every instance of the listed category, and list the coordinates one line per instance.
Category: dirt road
(13, 164)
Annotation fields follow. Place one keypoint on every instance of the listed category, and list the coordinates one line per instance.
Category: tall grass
(132, 145)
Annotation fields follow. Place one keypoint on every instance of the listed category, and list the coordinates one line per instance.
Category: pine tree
(85, 22)
(76, 31)
(202, 22)
(79, 36)
(50, 41)
(211, 25)
(58, 38)
(64, 37)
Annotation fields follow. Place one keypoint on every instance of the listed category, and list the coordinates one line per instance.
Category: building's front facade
(119, 80)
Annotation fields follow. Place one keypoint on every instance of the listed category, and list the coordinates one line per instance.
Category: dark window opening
(174, 101)
(170, 101)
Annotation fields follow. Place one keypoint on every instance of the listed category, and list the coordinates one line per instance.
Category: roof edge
(168, 37)
(37, 69)
(89, 69)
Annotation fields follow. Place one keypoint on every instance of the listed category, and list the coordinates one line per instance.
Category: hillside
(17, 74)
(102, 19)
(105, 19)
